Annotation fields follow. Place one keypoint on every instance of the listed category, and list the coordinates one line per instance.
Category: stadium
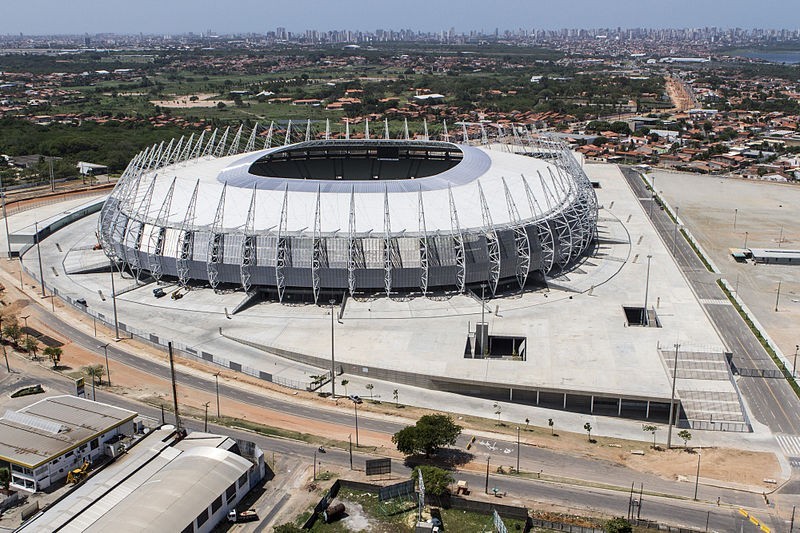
(326, 215)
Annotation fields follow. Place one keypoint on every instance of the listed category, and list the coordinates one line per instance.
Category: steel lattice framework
(458, 225)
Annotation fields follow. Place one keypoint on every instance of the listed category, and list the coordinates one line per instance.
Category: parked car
(159, 292)
(355, 398)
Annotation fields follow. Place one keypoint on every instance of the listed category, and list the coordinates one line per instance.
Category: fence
(179, 348)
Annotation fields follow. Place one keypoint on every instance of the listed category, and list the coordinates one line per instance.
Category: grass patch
(774, 356)
(696, 250)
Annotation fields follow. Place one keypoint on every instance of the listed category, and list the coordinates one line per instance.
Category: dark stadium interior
(354, 160)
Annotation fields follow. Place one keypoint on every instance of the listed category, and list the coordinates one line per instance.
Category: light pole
(333, 360)
(794, 364)
(315, 465)
(675, 233)
(778, 296)
(672, 398)
(114, 301)
(205, 418)
(746, 233)
(39, 255)
(483, 319)
(108, 369)
(25, 318)
(697, 476)
(355, 410)
(645, 316)
(5, 216)
(735, 212)
(517, 450)
(216, 386)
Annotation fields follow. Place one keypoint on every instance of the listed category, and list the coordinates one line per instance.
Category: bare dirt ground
(743, 467)
(677, 92)
(182, 102)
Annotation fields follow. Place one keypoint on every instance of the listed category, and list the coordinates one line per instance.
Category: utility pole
(746, 234)
(350, 440)
(486, 488)
(39, 255)
(735, 212)
(672, 398)
(778, 296)
(355, 410)
(517, 450)
(333, 360)
(8, 368)
(794, 364)
(205, 418)
(174, 386)
(52, 176)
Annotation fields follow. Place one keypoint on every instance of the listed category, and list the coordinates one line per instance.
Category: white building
(44, 441)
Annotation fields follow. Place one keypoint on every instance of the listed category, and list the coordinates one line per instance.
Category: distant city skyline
(52, 17)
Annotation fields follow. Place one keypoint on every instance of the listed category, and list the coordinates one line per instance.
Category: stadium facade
(318, 216)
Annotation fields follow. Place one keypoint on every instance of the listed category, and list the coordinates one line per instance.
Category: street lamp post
(216, 386)
(645, 316)
(735, 212)
(205, 418)
(315, 465)
(5, 216)
(25, 318)
(108, 369)
(355, 410)
(39, 255)
(794, 364)
(675, 233)
(114, 301)
(697, 476)
(517, 449)
(672, 398)
(333, 358)
(746, 234)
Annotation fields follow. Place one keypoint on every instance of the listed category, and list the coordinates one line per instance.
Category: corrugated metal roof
(80, 419)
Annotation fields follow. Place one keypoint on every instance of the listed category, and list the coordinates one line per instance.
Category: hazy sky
(228, 16)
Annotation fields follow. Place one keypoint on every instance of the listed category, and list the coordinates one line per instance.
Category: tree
(31, 345)
(428, 435)
(618, 525)
(649, 428)
(437, 480)
(686, 436)
(344, 384)
(13, 331)
(588, 427)
(527, 423)
(5, 478)
(96, 372)
(551, 424)
(396, 396)
(369, 387)
(54, 354)
(498, 410)
(288, 527)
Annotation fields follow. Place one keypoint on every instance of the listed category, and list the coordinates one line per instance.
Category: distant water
(783, 56)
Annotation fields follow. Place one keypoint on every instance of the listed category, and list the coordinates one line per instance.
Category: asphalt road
(678, 509)
(772, 401)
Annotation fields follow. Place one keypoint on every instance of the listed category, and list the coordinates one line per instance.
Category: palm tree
(13, 331)
(369, 387)
(31, 345)
(344, 384)
(396, 395)
(95, 372)
(54, 353)
(527, 423)
(551, 424)
(588, 427)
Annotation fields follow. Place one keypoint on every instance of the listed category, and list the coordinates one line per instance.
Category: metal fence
(180, 349)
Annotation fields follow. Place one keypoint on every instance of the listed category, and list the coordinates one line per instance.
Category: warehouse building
(169, 481)
(44, 441)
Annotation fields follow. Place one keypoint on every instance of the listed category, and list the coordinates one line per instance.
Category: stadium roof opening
(359, 160)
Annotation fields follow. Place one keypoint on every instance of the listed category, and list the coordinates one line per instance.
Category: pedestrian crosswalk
(790, 444)
(794, 462)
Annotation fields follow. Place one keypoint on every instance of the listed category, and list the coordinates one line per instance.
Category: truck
(244, 516)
